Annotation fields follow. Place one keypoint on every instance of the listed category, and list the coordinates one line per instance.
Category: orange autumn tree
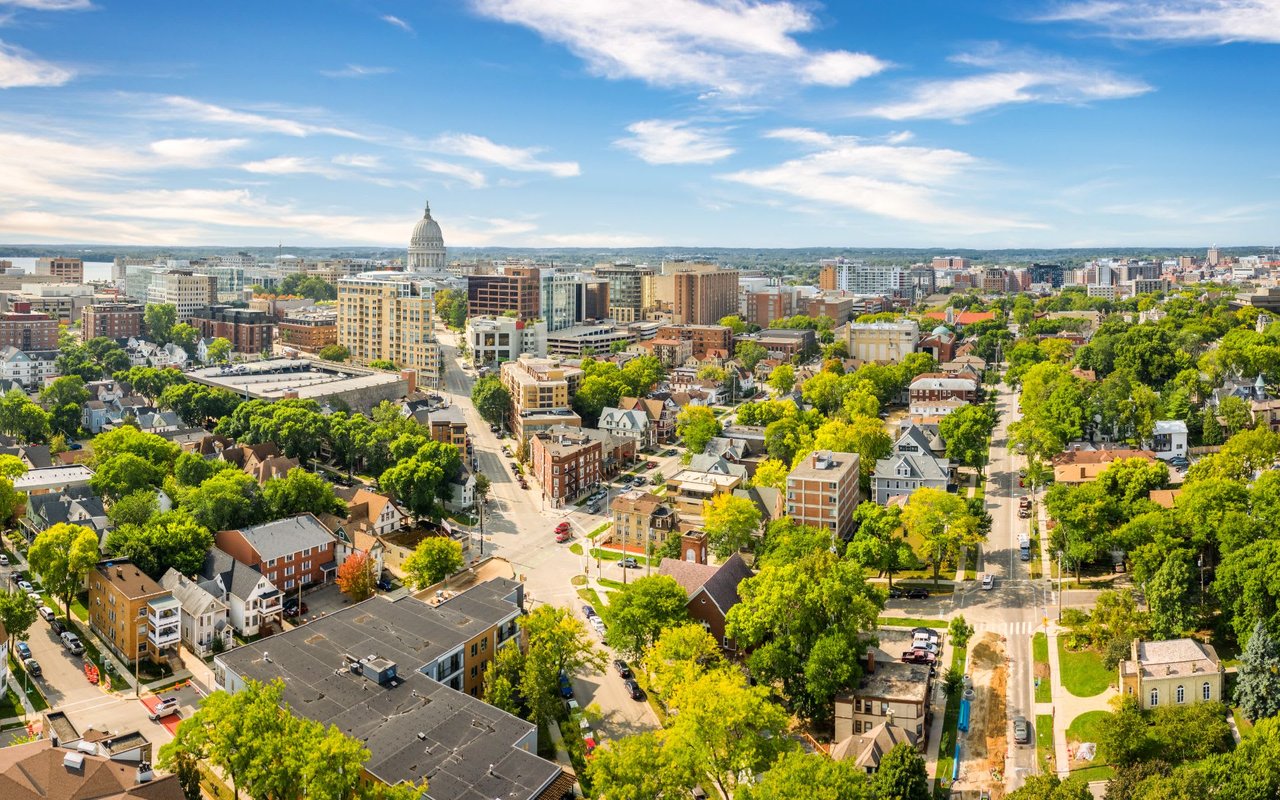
(355, 577)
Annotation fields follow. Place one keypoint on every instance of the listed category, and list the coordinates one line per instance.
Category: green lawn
(1098, 773)
(615, 555)
(592, 598)
(1044, 742)
(911, 622)
(1087, 727)
(612, 584)
(576, 549)
(10, 705)
(947, 744)
(33, 692)
(1040, 652)
(1245, 726)
(603, 527)
(1083, 673)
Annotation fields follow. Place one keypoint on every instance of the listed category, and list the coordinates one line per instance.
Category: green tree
(1050, 787)
(17, 615)
(901, 775)
(596, 393)
(959, 631)
(1169, 596)
(134, 509)
(730, 523)
(1123, 736)
(557, 643)
(638, 614)
(787, 437)
(862, 435)
(680, 654)
(783, 378)
(813, 776)
(422, 481)
(943, 525)
(771, 472)
(125, 474)
(502, 679)
(23, 419)
(228, 500)
(147, 446)
(696, 426)
(160, 319)
(638, 767)
(334, 352)
(62, 556)
(185, 336)
(193, 469)
(434, 559)
(172, 539)
(219, 351)
(492, 400)
(966, 432)
(735, 323)
(878, 541)
(300, 491)
(750, 353)
(1258, 676)
(382, 363)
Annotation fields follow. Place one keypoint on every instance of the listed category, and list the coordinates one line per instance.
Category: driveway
(62, 678)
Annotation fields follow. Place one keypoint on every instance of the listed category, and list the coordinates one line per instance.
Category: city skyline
(682, 122)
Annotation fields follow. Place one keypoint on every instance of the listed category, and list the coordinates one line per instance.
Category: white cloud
(18, 69)
(520, 159)
(288, 165)
(899, 182)
(189, 109)
(594, 240)
(356, 71)
(1179, 20)
(472, 177)
(195, 151)
(1015, 78)
(49, 5)
(358, 161)
(396, 21)
(735, 47)
(660, 141)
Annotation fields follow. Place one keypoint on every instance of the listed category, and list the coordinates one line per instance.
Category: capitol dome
(426, 245)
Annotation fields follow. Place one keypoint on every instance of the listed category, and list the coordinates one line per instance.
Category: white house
(633, 424)
(30, 370)
(462, 492)
(205, 617)
(251, 599)
(1170, 439)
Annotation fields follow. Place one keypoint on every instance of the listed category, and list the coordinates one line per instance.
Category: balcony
(167, 636)
(163, 612)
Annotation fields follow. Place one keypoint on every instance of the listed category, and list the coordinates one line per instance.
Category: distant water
(93, 270)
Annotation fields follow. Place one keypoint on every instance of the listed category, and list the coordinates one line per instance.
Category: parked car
(563, 526)
(24, 650)
(622, 668)
(166, 707)
(1024, 502)
(4, 560)
(668, 453)
(634, 689)
(588, 611)
(33, 667)
(916, 594)
(1021, 730)
(506, 451)
(384, 583)
(47, 613)
(929, 647)
(651, 465)
(564, 536)
(895, 593)
(988, 581)
(72, 643)
(639, 480)
(598, 624)
(493, 429)
(566, 686)
(927, 633)
(629, 563)
(35, 598)
(26, 586)
(918, 656)
(58, 627)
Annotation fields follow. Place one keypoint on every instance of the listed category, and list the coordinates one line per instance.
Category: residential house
(642, 521)
(661, 413)
(1266, 414)
(1173, 673)
(1169, 439)
(206, 617)
(292, 552)
(46, 769)
(449, 425)
(631, 424)
(690, 488)
(148, 354)
(910, 466)
(867, 749)
(942, 386)
(135, 616)
(253, 601)
(1084, 466)
(371, 512)
(889, 691)
(77, 505)
(712, 591)
(28, 369)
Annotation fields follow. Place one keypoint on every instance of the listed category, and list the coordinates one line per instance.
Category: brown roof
(272, 467)
(1165, 498)
(37, 770)
(720, 582)
(690, 575)
(128, 579)
(1104, 456)
(636, 500)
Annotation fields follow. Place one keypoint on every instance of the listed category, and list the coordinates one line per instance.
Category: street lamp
(1059, 585)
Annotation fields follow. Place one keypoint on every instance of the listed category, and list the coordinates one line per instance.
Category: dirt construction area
(983, 748)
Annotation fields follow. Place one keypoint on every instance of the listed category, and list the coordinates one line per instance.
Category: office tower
(514, 289)
(70, 270)
(630, 290)
(184, 289)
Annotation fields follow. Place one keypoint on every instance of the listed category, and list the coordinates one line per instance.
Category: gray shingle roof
(922, 467)
(239, 579)
(284, 537)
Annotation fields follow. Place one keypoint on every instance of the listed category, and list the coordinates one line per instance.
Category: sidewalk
(1066, 707)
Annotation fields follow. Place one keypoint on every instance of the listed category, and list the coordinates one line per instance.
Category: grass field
(1087, 726)
(603, 527)
(592, 598)
(615, 555)
(1044, 741)
(1245, 726)
(1040, 652)
(911, 622)
(1083, 673)
(947, 744)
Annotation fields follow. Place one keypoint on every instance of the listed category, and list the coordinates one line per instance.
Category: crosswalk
(1006, 629)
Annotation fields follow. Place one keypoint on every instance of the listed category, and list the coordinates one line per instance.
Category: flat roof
(276, 378)
(52, 476)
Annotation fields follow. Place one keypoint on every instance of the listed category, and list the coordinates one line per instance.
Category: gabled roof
(913, 434)
(194, 598)
(628, 419)
(38, 771)
(284, 537)
(922, 467)
(719, 582)
(238, 578)
(871, 746)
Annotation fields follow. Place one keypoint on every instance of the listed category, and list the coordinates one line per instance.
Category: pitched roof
(39, 770)
(722, 587)
(238, 578)
(690, 575)
(922, 467)
(871, 746)
(283, 537)
(194, 598)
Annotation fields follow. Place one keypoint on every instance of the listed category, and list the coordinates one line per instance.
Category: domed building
(426, 246)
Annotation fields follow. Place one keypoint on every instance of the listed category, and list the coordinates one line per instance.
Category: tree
(492, 400)
(219, 351)
(959, 631)
(943, 525)
(154, 449)
(771, 472)
(355, 577)
(735, 323)
(193, 469)
(787, 437)
(228, 500)
(1168, 597)
(696, 426)
(731, 524)
(966, 432)
(300, 491)
(596, 393)
(502, 679)
(451, 306)
(723, 728)
(901, 775)
(125, 474)
(184, 336)
(1258, 680)
(750, 353)
(1122, 737)
(382, 363)
(23, 419)
(160, 319)
(12, 502)
(62, 556)
(638, 614)
(172, 539)
(681, 653)
(638, 767)
(1050, 787)
(878, 540)
(558, 643)
(862, 435)
(334, 352)
(434, 559)
(17, 614)
(809, 775)
(422, 481)
(783, 378)
(134, 509)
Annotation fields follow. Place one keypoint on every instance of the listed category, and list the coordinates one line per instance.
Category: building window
(474, 647)
(1206, 692)
(1180, 695)
(1155, 698)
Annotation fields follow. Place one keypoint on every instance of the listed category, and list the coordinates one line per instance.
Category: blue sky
(749, 123)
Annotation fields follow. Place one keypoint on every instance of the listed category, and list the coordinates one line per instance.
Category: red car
(651, 465)
(564, 536)
(589, 745)
(562, 527)
(918, 656)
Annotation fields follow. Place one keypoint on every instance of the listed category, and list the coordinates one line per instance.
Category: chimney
(871, 660)
(409, 376)
(144, 772)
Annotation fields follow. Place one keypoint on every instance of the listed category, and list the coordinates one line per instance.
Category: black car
(916, 594)
(384, 584)
(58, 627)
(895, 593)
(622, 668)
(634, 689)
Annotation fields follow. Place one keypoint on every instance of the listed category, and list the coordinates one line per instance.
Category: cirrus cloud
(660, 141)
(520, 159)
(1178, 20)
(19, 69)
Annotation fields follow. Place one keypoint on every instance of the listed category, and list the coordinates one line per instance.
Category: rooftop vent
(145, 775)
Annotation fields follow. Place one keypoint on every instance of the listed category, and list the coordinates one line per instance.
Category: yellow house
(1177, 672)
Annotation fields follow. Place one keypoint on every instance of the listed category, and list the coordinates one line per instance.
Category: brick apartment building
(541, 391)
(291, 552)
(309, 330)
(763, 306)
(133, 614)
(112, 320)
(934, 386)
(704, 338)
(568, 461)
(516, 289)
(27, 331)
(823, 491)
(840, 309)
(642, 521)
(704, 298)
(248, 331)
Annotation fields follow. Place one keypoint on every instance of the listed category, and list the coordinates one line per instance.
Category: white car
(4, 560)
(46, 612)
(166, 706)
(598, 624)
(988, 581)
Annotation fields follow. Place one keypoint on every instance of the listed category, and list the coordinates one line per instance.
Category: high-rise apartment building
(631, 290)
(388, 316)
(184, 289)
(558, 299)
(28, 331)
(704, 298)
(70, 270)
(515, 289)
(822, 491)
(592, 298)
(541, 393)
(763, 306)
(860, 278)
(112, 320)
(884, 342)
(950, 262)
